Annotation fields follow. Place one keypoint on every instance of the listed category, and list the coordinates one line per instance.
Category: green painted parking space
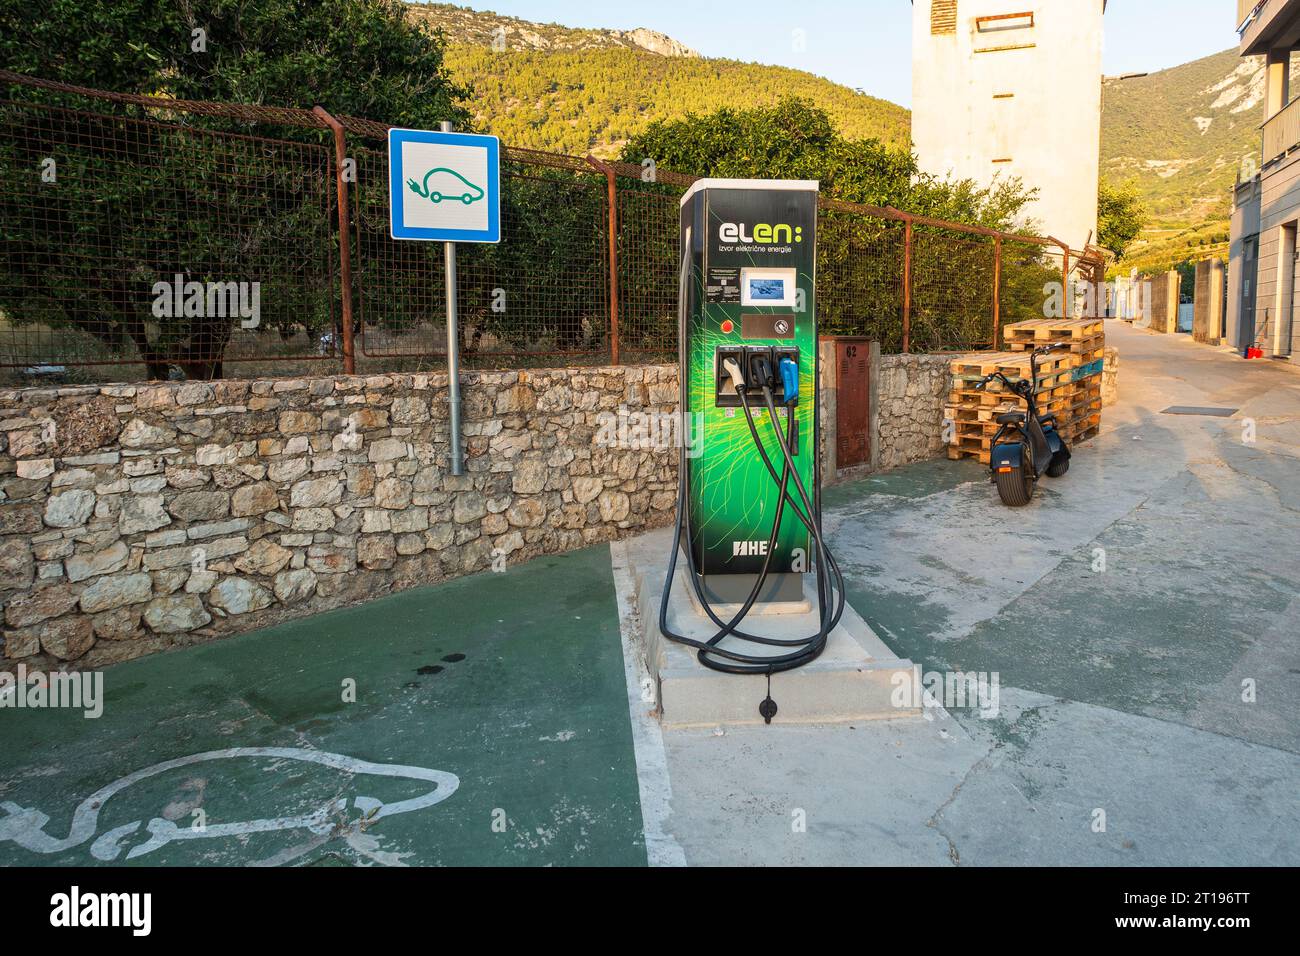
(489, 727)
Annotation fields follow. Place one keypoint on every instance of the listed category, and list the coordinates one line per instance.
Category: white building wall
(1020, 101)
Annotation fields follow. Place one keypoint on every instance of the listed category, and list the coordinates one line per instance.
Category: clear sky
(867, 43)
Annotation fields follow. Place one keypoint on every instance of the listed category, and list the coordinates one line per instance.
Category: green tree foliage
(135, 203)
(1121, 217)
(358, 57)
(575, 98)
(859, 257)
(798, 140)
(146, 194)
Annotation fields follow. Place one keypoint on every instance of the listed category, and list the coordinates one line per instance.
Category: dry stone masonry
(134, 518)
(912, 392)
(137, 517)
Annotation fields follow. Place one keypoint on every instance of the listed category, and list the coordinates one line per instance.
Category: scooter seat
(1011, 418)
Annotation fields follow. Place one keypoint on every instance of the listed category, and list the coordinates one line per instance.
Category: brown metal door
(852, 407)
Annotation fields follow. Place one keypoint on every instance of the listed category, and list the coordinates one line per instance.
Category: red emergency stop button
(728, 327)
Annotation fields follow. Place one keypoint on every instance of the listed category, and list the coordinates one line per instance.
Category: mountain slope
(483, 27)
(579, 91)
(1182, 134)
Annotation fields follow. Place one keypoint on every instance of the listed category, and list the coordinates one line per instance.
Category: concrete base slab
(728, 611)
(853, 680)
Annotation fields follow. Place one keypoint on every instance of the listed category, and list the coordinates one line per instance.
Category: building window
(1004, 21)
(943, 18)
(1012, 25)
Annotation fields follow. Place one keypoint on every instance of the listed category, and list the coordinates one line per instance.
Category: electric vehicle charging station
(749, 517)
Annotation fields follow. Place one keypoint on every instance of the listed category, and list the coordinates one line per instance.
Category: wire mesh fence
(150, 238)
(130, 241)
(952, 291)
(1027, 268)
(542, 291)
(860, 275)
(649, 263)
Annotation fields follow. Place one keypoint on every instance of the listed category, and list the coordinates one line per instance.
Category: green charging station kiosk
(748, 501)
(749, 295)
(749, 517)
(748, 496)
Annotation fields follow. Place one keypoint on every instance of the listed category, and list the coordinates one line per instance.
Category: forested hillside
(546, 86)
(1183, 135)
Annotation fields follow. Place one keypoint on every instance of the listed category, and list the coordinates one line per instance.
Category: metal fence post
(345, 239)
(612, 228)
(907, 285)
(997, 288)
(1065, 278)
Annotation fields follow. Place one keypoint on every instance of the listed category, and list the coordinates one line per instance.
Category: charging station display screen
(767, 290)
(775, 287)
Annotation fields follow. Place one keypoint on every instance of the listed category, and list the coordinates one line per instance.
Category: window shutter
(943, 18)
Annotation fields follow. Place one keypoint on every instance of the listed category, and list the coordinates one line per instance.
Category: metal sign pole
(453, 351)
(445, 186)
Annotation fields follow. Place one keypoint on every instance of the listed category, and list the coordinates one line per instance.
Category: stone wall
(136, 518)
(911, 391)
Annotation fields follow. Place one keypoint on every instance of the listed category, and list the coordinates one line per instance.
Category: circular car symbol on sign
(442, 183)
(782, 326)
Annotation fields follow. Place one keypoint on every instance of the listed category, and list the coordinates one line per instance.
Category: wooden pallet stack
(1069, 384)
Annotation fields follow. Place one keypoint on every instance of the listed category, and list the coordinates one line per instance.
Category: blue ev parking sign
(444, 187)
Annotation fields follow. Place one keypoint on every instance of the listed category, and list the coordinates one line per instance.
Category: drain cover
(1193, 410)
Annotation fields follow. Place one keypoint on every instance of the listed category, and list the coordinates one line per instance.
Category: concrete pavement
(1127, 612)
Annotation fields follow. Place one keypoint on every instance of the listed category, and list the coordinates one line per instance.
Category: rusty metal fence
(541, 292)
(147, 237)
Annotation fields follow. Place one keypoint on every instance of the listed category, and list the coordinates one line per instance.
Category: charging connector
(732, 368)
(761, 371)
(729, 375)
(789, 381)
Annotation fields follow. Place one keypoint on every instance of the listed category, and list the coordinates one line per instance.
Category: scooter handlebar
(996, 376)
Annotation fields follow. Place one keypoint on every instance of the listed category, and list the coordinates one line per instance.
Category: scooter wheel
(1015, 487)
(1059, 466)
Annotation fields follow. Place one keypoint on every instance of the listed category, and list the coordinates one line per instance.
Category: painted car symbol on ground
(26, 826)
(448, 184)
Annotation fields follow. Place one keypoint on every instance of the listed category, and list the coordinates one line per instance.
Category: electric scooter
(1027, 444)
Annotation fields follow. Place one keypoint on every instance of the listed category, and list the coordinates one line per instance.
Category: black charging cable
(830, 595)
(708, 651)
